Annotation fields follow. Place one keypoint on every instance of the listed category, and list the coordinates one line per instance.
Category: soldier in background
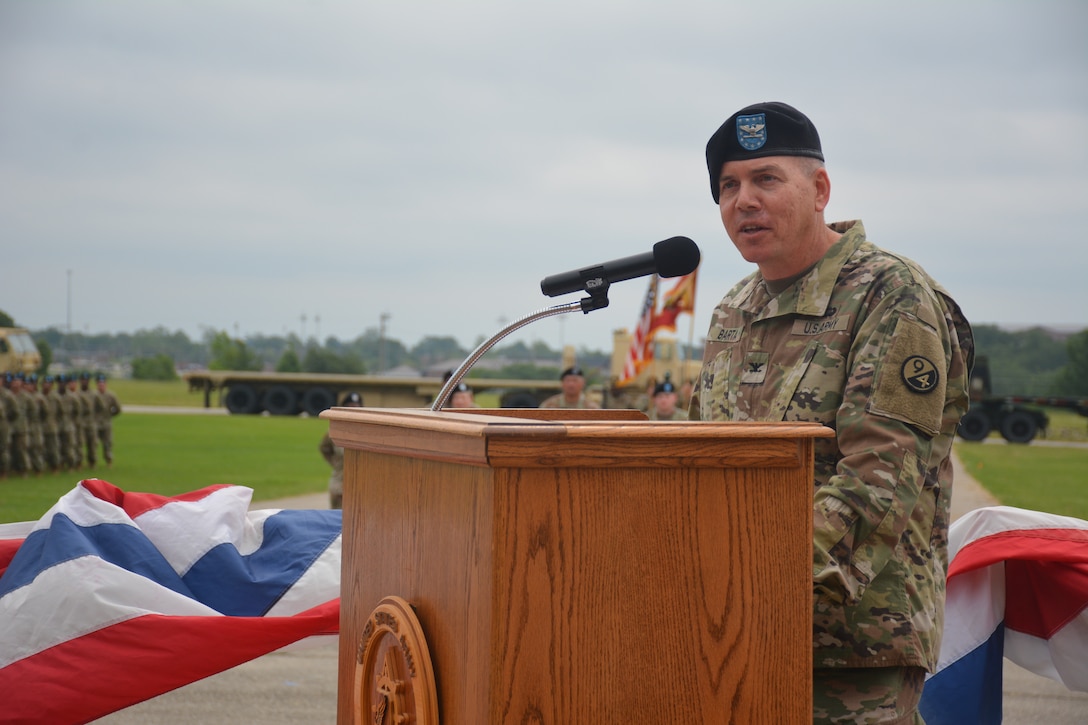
(36, 429)
(71, 432)
(664, 403)
(106, 406)
(462, 397)
(20, 429)
(51, 426)
(334, 456)
(9, 411)
(88, 431)
(573, 395)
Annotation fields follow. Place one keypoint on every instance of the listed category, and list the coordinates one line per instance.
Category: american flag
(641, 351)
(1017, 588)
(112, 598)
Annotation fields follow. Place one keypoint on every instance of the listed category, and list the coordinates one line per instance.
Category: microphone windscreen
(676, 257)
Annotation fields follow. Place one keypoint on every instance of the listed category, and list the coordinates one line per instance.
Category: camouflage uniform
(20, 432)
(70, 439)
(558, 401)
(106, 406)
(88, 431)
(51, 428)
(866, 343)
(678, 414)
(334, 456)
(9, 411)
(36, 439)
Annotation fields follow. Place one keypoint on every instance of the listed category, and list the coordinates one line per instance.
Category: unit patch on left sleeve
(910, 385)
(920, 374)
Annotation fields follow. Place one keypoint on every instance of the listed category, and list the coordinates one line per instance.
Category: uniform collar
(811, 294)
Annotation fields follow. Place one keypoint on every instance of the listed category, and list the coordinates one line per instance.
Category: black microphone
(673, 257)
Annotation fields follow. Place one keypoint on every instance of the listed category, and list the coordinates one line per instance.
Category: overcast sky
(241, 166)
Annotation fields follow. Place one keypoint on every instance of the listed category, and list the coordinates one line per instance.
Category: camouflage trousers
(870, 695)
(105, 437)
(90, 440)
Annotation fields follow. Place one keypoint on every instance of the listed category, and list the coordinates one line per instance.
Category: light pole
(68, 320)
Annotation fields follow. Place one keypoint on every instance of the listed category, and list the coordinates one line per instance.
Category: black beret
(765, 129)
(572, 371)
(665, 387)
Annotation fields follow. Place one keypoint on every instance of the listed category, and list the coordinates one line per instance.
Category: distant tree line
(1036, 361)
(158, 353)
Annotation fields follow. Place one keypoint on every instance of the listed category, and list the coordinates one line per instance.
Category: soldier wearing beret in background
(663, 403)
(462, 397)
(71, 428)
(832, 329)
(88, 430)
(9, 412)
(106, 407)
(573, 395)
(51, 425)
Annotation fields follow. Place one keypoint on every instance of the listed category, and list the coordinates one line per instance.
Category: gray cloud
(200, 164)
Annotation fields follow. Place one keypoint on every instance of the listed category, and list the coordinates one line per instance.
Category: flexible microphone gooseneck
(673, 257)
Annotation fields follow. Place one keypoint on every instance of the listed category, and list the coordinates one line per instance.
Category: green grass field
(278, 457)
(157, 392)
(1042, 478)
(172, 454)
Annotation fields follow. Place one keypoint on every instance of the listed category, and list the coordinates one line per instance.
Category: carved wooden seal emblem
(394, 680)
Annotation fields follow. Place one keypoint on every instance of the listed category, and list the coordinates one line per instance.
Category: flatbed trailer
(250, 393)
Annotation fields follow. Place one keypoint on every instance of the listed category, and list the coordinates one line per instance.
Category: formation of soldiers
(54, 423)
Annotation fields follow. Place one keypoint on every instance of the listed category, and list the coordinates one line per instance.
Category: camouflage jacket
(865, 343)
(558, 401)
(106, 406)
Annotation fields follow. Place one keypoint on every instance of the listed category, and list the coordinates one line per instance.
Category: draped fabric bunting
(1017, 588)
(112, 597)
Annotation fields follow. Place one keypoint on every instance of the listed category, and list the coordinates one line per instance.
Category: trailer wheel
(241, 400)
(280, 400)
(974, 426)
(315, 400)
(1019, 427)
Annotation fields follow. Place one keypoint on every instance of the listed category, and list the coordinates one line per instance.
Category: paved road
(300, 686)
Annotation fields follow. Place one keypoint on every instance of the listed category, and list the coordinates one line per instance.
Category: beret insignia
(752, 131)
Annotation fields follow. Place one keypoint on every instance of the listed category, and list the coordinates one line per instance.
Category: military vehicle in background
(667, 362)
(18, 353)
(249, 393)
(1017, 417)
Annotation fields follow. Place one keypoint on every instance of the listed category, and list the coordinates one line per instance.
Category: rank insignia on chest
(755, 368)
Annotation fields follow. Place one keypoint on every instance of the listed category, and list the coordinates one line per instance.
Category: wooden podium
(574, 567)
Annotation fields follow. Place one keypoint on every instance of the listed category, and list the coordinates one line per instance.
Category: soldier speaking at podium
(832, 329)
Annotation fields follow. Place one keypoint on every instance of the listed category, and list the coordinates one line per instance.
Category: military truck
(18, 353)
(249, 393)
(1017, 417)
(667, 362)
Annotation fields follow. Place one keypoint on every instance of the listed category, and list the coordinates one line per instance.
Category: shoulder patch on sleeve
(910, 385)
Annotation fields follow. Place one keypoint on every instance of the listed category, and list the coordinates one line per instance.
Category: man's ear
(823, 188)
